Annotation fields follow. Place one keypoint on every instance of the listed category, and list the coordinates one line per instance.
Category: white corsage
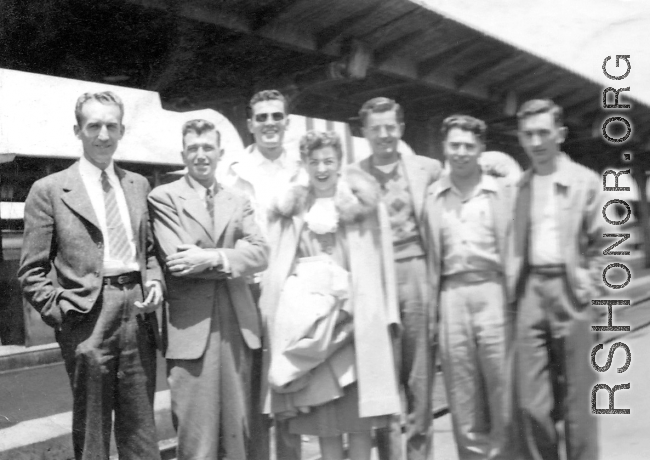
(323, 217)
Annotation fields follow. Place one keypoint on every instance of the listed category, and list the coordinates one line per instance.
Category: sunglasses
(262, 117)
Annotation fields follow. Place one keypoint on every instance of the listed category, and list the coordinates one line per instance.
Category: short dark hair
(200, 126)
(266, 95)
(315, 140)
(535, 106)
(378, 105)
(105, 97)
(466, 123)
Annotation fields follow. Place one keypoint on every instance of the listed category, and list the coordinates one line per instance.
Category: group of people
(314, 297)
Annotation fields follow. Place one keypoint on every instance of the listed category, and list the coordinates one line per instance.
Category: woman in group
(330, 304)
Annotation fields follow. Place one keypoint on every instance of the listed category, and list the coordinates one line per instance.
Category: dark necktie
(118, 241)
(209, 202)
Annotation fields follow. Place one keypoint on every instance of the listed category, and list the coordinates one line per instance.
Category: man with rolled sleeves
(209, 241)
(80, 222)
(554, 270)
(468, 214)
(404, 180)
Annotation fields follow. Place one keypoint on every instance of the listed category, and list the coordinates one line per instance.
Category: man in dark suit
(209, 242)
(404, 179)
(99, 243)
(554, 270)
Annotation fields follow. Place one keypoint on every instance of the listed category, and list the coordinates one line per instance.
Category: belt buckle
(122, 279)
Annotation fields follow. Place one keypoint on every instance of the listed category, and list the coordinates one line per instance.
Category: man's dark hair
(378, 105)
(200, 126)
(267, 95)
(466, 123)
(535, 106)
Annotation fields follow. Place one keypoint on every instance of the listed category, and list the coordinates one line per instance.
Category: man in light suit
(209, 242)
(554, 270)
(468, 214)
(80, 222)
(404, 180)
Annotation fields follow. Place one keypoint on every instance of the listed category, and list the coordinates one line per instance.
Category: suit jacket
(502, 206)
(579, 204)
(179, 217)
(61, 229)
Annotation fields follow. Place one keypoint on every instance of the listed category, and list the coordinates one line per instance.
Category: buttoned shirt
(544, 226)
(202, 192)
(91, 177)
(261, 179)
(469, 242)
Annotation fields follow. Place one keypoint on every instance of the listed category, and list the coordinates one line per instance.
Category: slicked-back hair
(200, 126)
(105, 97)
(378, 105)
(315, 140)
(536, 106)
(267, 95)
(466, 123)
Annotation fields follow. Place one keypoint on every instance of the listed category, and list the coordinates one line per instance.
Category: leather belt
(548, 270)
(121, 280)
(472, 277)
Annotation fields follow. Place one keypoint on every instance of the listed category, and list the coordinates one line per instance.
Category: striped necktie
(209, 202)
(118, 241)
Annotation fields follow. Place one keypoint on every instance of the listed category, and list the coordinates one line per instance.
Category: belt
(548, 270)
(121, 280)
(472, 277)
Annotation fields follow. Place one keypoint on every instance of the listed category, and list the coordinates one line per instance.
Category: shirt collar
(257, 159)
(561, 176)
(487, 183)
(199, 188)
(87, 169)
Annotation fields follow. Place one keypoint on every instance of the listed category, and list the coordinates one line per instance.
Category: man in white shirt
(260, 172)
(80, 222)
(553, 272)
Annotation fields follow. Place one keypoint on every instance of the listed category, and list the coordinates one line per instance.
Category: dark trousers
(553, 372)
(211, 395)
(415, 360)
(110, 358)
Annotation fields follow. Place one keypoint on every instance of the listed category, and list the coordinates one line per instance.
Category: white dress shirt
(91, 176)
(202, 192)
(545, 232)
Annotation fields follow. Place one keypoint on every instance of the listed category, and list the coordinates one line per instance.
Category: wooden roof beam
(396, 46)
(270, 12)
(440, 59)
(331, 33)
(478, 71)
(510, 82)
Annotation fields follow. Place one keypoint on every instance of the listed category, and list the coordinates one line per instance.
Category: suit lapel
(194, 207)
(224, 206)
(416, 176)
(76, 197)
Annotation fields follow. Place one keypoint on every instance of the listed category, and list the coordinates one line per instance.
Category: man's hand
(191, 259)
(154, 297)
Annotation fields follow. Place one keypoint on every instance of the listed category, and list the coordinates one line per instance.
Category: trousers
(553, 372)
(416, 366)
(110, 358)
(473, 357)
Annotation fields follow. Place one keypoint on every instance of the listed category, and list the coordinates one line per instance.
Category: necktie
(209, 203)
(118, 241)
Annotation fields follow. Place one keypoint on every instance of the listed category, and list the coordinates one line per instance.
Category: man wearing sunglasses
(259, 172)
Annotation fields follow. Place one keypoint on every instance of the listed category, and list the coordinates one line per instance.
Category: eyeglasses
(262, 117)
